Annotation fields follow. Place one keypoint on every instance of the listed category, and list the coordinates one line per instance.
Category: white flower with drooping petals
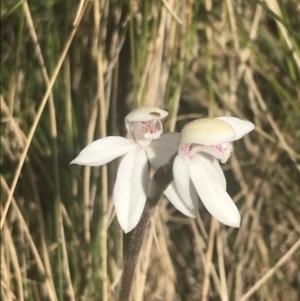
(144, 125)
(197, 171)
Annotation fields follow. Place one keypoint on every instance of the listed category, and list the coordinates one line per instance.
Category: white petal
(130, 189)
(181, 174)
(104, 150)
(206, 132)
(214, 197)
(194, 196)
(241, 127)
(220, 172)
(161, 150)
(217, 170)
(181, 205)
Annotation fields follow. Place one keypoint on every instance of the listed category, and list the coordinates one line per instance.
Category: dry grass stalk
(60, 238)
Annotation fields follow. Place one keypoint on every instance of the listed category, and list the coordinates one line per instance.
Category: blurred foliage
(60, 240)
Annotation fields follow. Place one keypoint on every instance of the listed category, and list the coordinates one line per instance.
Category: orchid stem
(133, 241)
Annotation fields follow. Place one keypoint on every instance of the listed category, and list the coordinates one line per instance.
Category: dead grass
(64, 86)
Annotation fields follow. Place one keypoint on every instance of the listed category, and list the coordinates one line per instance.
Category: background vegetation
(65, 85)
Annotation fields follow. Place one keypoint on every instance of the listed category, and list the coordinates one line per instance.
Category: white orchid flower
(144, 125)
(197, 171)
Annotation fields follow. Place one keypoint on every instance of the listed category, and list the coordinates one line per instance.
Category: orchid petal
(160, 151)
(207, 132)
(130, 189)
(194, 196)
(104, 150)
(215, 168)
(211, 192)
(181, 173)
(219, 171)
(180, 204)
(241, 127)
